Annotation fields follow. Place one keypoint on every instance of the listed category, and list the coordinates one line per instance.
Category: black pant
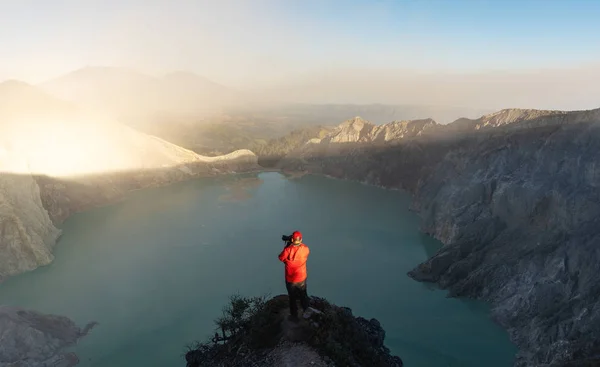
(297, 291)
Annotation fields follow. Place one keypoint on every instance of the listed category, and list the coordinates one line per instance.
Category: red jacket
(294, 257)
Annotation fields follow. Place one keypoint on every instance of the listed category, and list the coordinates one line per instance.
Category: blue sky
(237, 42)
(467, 33)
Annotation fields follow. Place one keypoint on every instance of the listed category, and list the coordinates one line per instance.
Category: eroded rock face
(514, 197)
(32, 339)
(27, 233)
(519, 215)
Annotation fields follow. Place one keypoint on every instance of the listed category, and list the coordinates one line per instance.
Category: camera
(287, 239)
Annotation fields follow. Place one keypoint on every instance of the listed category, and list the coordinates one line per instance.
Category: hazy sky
(269, 42)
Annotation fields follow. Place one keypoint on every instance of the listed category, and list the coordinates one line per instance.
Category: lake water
(156, 269)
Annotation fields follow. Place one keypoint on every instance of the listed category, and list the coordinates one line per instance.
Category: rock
(310, 312)
(33, 339)
(514, 197)
(373, 330)
(27, 233)
(338, 338)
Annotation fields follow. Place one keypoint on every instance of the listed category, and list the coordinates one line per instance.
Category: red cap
(296, 236)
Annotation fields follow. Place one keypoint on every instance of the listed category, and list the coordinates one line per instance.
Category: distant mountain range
(135, 96)
(332, 114)
(125, 92)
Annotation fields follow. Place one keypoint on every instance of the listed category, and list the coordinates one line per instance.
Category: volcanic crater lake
(156, 269)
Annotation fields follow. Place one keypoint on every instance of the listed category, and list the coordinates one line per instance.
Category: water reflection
(241, 189)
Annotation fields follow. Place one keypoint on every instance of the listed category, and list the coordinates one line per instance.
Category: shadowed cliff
(514, 198)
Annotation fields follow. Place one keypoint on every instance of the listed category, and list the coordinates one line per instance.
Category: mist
(270, 52)
(553, 89)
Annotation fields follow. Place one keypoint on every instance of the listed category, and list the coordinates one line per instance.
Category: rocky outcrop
(524, 118)
(358, 130)
(32, 339)
(262, 334)
(27, 234)
(56, 160)
(514, 197)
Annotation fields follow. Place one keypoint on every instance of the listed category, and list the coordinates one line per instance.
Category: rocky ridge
(514, 198)
(257, 332)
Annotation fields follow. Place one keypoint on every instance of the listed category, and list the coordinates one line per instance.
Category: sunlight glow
(75, 147)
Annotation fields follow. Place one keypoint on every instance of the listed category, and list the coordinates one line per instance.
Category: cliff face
(519, 214)
(56, 160)
(514, 198)
(26, 232)
(32, 339)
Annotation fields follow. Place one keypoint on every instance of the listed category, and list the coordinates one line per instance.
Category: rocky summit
(513, 196)
(259, 332)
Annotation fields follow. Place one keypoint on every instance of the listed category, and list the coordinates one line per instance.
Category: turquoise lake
(156, 269)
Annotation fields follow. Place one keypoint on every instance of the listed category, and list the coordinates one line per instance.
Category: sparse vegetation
(245, 324)
(251, 327)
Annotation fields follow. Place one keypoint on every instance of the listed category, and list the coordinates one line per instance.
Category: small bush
(240, 325)
(250, 326)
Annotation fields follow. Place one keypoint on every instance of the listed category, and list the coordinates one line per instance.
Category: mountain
(19, 99)
(525, 118)
(205, 116)
(128, 94)
(514, 197)
(56, 159)
(188, 84)
(302, 114)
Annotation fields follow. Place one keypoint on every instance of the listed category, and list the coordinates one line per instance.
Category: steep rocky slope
(56, 159)
(257, 332)
(514, 198)
(32, 339)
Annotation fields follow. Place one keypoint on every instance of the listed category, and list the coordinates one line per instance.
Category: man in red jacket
(294, 256)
